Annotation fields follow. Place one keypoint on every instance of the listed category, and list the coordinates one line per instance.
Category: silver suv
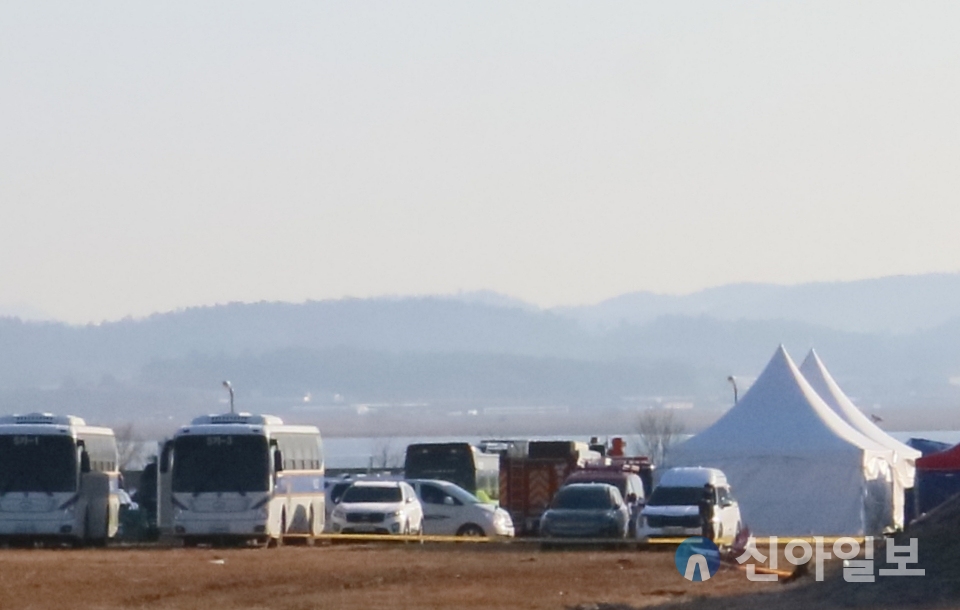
(378, 507)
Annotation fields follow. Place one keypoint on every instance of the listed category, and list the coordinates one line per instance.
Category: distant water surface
(363, 452)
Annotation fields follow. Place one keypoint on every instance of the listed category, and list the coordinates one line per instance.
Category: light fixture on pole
(229, 387)
(733, 382)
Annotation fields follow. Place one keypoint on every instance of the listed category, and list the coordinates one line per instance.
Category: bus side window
(286, 445)
(299, 463)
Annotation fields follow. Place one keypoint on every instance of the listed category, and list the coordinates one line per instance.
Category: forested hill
(496, 349)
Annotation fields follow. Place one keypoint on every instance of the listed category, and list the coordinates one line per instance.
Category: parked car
(450, 510)
(586, 510)
(628, 483)
(378, 507)
(333, 489)
(673, 509)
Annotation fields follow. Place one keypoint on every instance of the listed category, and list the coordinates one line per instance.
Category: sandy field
(353, 577)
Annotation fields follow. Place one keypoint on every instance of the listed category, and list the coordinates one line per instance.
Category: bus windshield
(36, 462)
(221, 463)
(445, 461)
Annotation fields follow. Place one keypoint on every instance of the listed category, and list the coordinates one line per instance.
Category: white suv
(673, 509)
(450, 510)
(378, 507)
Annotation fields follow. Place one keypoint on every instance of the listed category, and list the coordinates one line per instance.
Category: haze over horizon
(171, 156)
(28, 313)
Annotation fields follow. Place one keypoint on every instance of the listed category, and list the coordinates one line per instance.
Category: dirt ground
(353, 576)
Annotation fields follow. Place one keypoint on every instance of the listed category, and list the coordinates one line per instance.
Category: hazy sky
(162, 155)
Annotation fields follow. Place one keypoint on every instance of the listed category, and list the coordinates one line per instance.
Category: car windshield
(461, 494)
(583, 498)
(31, 462)
(364, 494)
(336, 492)
(675, 496)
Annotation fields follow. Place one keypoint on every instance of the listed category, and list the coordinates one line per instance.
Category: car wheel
(471, 530)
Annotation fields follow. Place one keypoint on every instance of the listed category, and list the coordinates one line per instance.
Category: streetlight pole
(733, 382)
(229, 387)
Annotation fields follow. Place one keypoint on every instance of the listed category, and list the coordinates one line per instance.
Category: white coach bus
(58, 480)
(238, 477)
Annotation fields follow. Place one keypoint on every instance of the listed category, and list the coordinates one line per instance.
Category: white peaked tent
(904, 456)
(796, 468)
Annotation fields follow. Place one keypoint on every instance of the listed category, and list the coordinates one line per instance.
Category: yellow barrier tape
(398, 538)
(464, 539)
(760, 541)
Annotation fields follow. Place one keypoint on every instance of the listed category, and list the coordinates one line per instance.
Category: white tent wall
(904, 456)
(800, 496)
(880, 504)
(806, 496)
(795, 466)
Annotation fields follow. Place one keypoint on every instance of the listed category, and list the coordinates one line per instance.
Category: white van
(673, 509)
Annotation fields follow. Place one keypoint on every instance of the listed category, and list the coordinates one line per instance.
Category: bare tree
(129, 445)
(385, 457)
(659, 429)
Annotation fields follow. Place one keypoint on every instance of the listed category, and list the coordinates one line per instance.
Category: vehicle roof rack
(42, 418)
(237, 418)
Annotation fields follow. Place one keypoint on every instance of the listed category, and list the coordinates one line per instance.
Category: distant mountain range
(893, 342)
(898, 304)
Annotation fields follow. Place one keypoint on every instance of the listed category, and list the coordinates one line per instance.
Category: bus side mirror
(84, 461)
(277, 461)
